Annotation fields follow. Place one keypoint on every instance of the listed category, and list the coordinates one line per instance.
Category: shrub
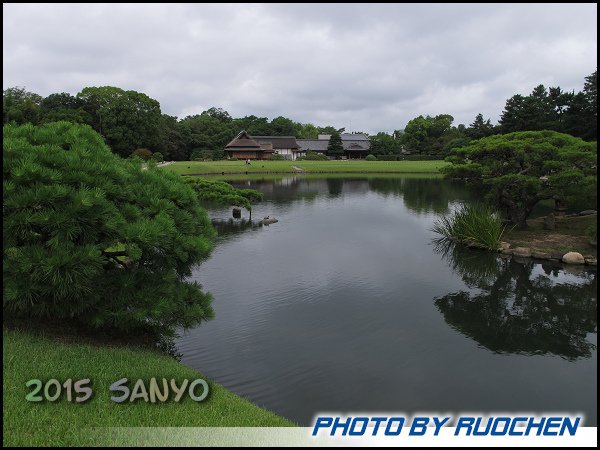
(158, 157)
(201, 155)
(472, 223)
(313, 156)
(143, 153)
(370, 158)
(277, 157)
(223, 193)
(96, 239)
(387, 157)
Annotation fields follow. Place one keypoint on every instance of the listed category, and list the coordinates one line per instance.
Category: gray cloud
(366, 67)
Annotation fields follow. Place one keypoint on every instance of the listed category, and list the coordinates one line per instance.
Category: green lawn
(347, 166)
(27, 356)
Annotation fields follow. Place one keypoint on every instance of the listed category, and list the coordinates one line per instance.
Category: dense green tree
(255, 126)
(63, 106)
(307, 131)
(127, 119)
(335, 148)
(384, 144)
(20, 106)
(282, 126)
(94, 238)
(172, 142)
(554, 109)
(479, 128)
(204, 132)
(218, 113)
(590, 91)
(330, 130)
(520, 169)
(426, 135)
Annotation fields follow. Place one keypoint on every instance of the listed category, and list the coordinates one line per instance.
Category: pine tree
(96, 239)
(335, 149)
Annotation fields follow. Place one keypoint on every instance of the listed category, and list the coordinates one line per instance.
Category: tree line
(544, 109)
(130, 120)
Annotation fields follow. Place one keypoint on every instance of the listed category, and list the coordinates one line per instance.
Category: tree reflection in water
(522, 306)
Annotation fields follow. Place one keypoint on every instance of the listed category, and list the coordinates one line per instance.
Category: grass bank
(345, 166)
(569, 235)
(62, 423)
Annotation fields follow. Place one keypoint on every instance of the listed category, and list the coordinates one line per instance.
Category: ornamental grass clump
(477, 224)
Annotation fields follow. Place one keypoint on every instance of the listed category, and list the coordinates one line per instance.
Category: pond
(347, 305)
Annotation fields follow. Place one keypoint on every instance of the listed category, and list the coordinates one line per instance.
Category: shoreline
(306, 172)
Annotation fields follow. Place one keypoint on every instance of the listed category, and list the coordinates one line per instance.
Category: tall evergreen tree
(335, 148)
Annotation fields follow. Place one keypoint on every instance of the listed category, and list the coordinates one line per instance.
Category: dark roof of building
(360, 145)
(354, 137)
(243, 142)
(314, 145)
(278, 142)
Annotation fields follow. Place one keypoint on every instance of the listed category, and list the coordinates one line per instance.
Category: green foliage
(63, 106)
(553, 109)
(384, 144)
(201, 155)
(158, 157)
(480, 128)
(371, 158)
(426, 135)
(472, 223)
(20, 106)
(127, 119)
(223, 193)
(143, 153)
(335, 147)
(313, 156)
(93, 238)
(520, 169)
(277, 157)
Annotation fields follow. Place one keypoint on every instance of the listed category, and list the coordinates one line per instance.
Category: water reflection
(423, 195)
(344, 294)
(419, 194)
(522, 306)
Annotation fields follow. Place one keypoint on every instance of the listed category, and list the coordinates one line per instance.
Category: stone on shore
(522, 251)
(503, 246)
(540, 255)
(573, 258)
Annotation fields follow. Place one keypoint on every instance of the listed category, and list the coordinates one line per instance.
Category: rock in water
(573, 258)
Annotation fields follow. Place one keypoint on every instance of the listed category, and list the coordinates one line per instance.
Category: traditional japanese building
(356, 145)
(281, 145)
(244, 147)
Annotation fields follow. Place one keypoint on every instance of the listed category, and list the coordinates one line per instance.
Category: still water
(347, 305)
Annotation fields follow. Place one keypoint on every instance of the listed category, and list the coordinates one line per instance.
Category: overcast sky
(366, 67)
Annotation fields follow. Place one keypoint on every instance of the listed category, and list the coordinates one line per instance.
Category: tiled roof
(315, 145)
(278, 142)
(243, 142)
